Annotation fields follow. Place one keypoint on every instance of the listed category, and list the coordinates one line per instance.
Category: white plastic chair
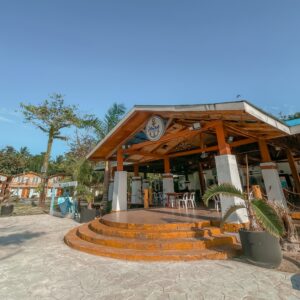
(191, 200)
(184, 200)
(173, 201)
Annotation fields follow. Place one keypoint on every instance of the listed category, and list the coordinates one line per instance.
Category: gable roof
(135, 120)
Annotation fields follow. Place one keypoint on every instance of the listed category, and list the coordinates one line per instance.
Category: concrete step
(75, 242)
(160, 227)
(85, 233)
(155, 233)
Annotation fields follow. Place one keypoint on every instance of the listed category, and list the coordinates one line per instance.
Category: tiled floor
(162, 216)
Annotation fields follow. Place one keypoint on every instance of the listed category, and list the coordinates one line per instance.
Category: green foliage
(54, 115)
(224, 189)
(111, 119)
(267, 217)
(264, 214)
(230, 211)
(84, 192)
(12, 161)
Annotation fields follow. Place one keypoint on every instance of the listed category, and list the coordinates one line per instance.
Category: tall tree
(102, 127)
(51, 117)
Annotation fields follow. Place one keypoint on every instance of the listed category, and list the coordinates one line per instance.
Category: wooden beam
(136, 169)
(184, 133)
(167, 168)
(145, 153)
(164, 139)
(137, 130)
(195, 151)
(224, 147)
(294, 170)
(264, 151)
(120, 159)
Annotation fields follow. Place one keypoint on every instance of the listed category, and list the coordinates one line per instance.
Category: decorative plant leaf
(225, 189)
(230, 211)
(267, 217)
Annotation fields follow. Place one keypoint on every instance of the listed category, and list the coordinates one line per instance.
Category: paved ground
(36, 264)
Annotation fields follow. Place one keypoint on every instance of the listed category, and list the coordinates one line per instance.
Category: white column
(120, 191)
(227, 172)
(110, 190)
(136, 190)
(272, 183)
(168, 184)
(145, 184)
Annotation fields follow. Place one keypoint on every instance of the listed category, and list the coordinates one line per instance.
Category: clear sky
(145, 52)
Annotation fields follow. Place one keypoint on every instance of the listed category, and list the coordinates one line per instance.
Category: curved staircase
(152, 242)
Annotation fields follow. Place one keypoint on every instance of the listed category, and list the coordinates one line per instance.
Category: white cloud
(3, 119)
(8, 115)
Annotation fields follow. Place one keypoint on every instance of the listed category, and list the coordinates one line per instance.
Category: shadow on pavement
(19, 238)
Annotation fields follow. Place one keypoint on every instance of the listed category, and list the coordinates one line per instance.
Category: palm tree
(261, 214)
(102, 127)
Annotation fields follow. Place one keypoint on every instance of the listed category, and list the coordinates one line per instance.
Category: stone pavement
(36, 264)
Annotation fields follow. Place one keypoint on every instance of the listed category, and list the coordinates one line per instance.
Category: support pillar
(136, 190)
(201, 179)
(294, 170)
(272, 183)
(270, 175)
(120, 191)
(168, 184)
(145, 184)
(228, 172)
(110, 190)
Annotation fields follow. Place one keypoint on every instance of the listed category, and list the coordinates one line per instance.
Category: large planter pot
(7, 210)
(261, 248)
(87, 214)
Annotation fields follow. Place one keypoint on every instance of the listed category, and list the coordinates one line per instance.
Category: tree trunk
(45, 168)
(106, 184)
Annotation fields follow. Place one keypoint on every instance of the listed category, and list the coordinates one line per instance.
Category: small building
(25, 185)
(28, 185)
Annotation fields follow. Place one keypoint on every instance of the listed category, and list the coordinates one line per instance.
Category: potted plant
(261, 242)
(86, 213)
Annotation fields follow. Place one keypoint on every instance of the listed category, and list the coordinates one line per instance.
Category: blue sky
(145, 52)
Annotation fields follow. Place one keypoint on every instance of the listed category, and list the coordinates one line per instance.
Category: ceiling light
(196, 125)
(230, 139)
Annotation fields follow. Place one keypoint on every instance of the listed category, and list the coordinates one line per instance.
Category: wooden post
(136, 169)
(113, 170)
(201, 179)
(257, 192)
(264, 151)
(294, 170)
(146, 198)
(224, 147)
(167, 169)
(120, 159)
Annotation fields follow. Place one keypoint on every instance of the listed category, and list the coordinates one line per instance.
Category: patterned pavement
(36, 264)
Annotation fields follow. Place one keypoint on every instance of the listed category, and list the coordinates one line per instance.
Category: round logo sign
(155, 128)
